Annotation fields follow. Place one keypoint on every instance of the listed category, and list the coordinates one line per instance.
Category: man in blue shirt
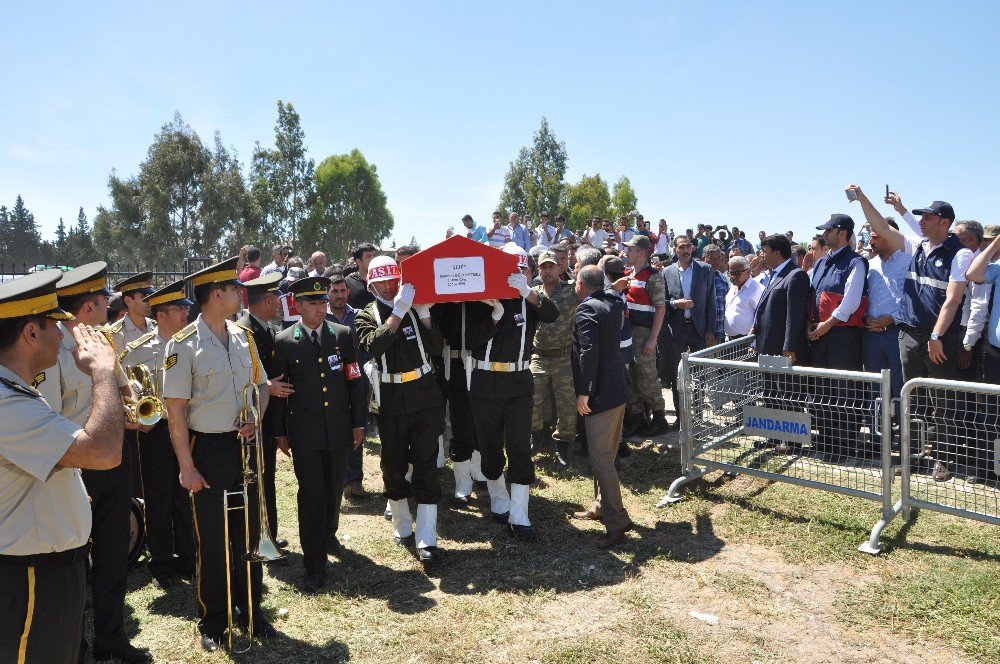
(475, 233)
(519, 235)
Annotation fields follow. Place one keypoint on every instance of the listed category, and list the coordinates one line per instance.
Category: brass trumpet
(252, 456)
(147, 409)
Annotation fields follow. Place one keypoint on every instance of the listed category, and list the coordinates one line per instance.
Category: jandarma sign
(792, 426)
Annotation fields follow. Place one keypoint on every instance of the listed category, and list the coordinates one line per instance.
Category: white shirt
(499, 238)
(975, 311)
(741, 304)
(626, 235)
(596, 238)
(661, 243)
(959, 266)
(544, 241)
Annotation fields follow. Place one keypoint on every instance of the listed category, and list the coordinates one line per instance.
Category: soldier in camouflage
(550, 366)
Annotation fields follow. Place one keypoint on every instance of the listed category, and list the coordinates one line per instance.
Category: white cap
(382, 268)
(522, 255)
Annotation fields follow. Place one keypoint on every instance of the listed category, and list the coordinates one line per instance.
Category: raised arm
(878, 223)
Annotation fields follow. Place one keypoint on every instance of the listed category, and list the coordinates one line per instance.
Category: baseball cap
(841, 221)
(547, 257)
(640, 241)
(940, 208)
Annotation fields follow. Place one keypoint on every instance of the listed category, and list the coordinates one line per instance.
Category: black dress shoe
(624, 451)
(409, 540)
(210, 643)
(523, 533)
(500, 518)
(429, 554)
(333, 546)
(281, 543)
(313, 583)
(123, 652)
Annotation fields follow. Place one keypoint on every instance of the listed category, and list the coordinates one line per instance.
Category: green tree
(349, 207)
(623, 199)
(587, 198)
(231, 217)
(79, 246)
(60, 234)
(535, 180)
(281, 179)
(19, 236)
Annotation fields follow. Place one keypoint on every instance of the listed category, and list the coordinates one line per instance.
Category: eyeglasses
(736, 273)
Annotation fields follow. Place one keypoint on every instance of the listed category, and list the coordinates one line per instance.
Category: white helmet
(382, 268)
(522, 255)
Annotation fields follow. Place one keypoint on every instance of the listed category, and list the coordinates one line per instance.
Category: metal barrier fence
(950, 445)
(761, 416)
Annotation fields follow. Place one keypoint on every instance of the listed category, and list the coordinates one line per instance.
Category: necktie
(315, 339)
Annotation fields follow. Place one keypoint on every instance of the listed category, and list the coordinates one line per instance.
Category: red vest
(640, 306)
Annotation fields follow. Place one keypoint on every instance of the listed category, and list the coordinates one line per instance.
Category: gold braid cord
(254, 357)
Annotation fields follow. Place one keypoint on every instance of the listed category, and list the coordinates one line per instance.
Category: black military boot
(657, 425)
(634, 423)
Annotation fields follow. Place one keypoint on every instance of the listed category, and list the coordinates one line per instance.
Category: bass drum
(136, 531)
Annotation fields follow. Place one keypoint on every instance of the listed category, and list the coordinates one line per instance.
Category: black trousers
(503, 425)
(217, 458)
(320, 474)
(55, 594)
(684, 338)
(135, 469)
(946, 430)
(463, 427)
(169, 524)
(110, 494)
(838, 405)
(411, 438)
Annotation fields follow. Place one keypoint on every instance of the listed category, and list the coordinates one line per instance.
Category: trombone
(252, 457)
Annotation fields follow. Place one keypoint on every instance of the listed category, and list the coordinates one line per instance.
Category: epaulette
(116, 327)
(132, 345)
(20, 389)
(185, 332)
(38, 380)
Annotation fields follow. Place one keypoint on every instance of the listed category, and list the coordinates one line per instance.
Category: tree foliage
(623, 199)
(535, 180)
(281, 178)
(587, 198)
(349, 206)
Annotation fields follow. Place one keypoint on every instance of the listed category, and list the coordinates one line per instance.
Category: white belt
(457, 354)
(404, 377)
(626, 344)
(641, 307)
(502, 367)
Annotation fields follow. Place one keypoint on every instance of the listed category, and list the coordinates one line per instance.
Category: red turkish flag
(459, 270)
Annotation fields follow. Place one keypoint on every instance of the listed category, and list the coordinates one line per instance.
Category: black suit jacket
(781, 317)
(598, 369)
(329, 396)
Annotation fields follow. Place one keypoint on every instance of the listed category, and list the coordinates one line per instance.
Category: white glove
(519, 282)
(403, 300)
(497, 308)
(423, 310)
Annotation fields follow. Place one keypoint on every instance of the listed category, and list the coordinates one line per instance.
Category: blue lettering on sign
(783, 426)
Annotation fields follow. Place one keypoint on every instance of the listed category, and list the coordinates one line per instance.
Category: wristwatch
(935, 336)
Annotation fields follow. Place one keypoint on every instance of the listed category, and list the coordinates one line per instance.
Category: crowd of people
(310, 358)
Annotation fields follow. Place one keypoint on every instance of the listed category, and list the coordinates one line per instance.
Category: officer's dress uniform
(212, 377)
(67, 388)
(263, 335)
(839, 404)
(501, 395)
(169, 526)
(462, 448)
(318, 417)
(45, 519)
(407, 403)
(551, 368)
(121, 333)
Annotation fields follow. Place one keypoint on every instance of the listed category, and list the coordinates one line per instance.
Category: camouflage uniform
(647, 392)
(551, 368)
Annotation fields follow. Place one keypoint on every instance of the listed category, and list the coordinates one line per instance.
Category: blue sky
(753, 114)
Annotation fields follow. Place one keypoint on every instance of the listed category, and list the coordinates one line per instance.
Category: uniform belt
(406, 376)
(501, 367)
(457, 354)
(556, 352)
(46, 559)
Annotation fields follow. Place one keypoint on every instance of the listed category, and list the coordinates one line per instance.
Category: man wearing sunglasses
(742, 299)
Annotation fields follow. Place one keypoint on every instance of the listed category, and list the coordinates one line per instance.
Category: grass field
(774, 563)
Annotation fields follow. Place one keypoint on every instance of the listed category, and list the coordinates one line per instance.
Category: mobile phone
(851, 195)
(887, 191)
